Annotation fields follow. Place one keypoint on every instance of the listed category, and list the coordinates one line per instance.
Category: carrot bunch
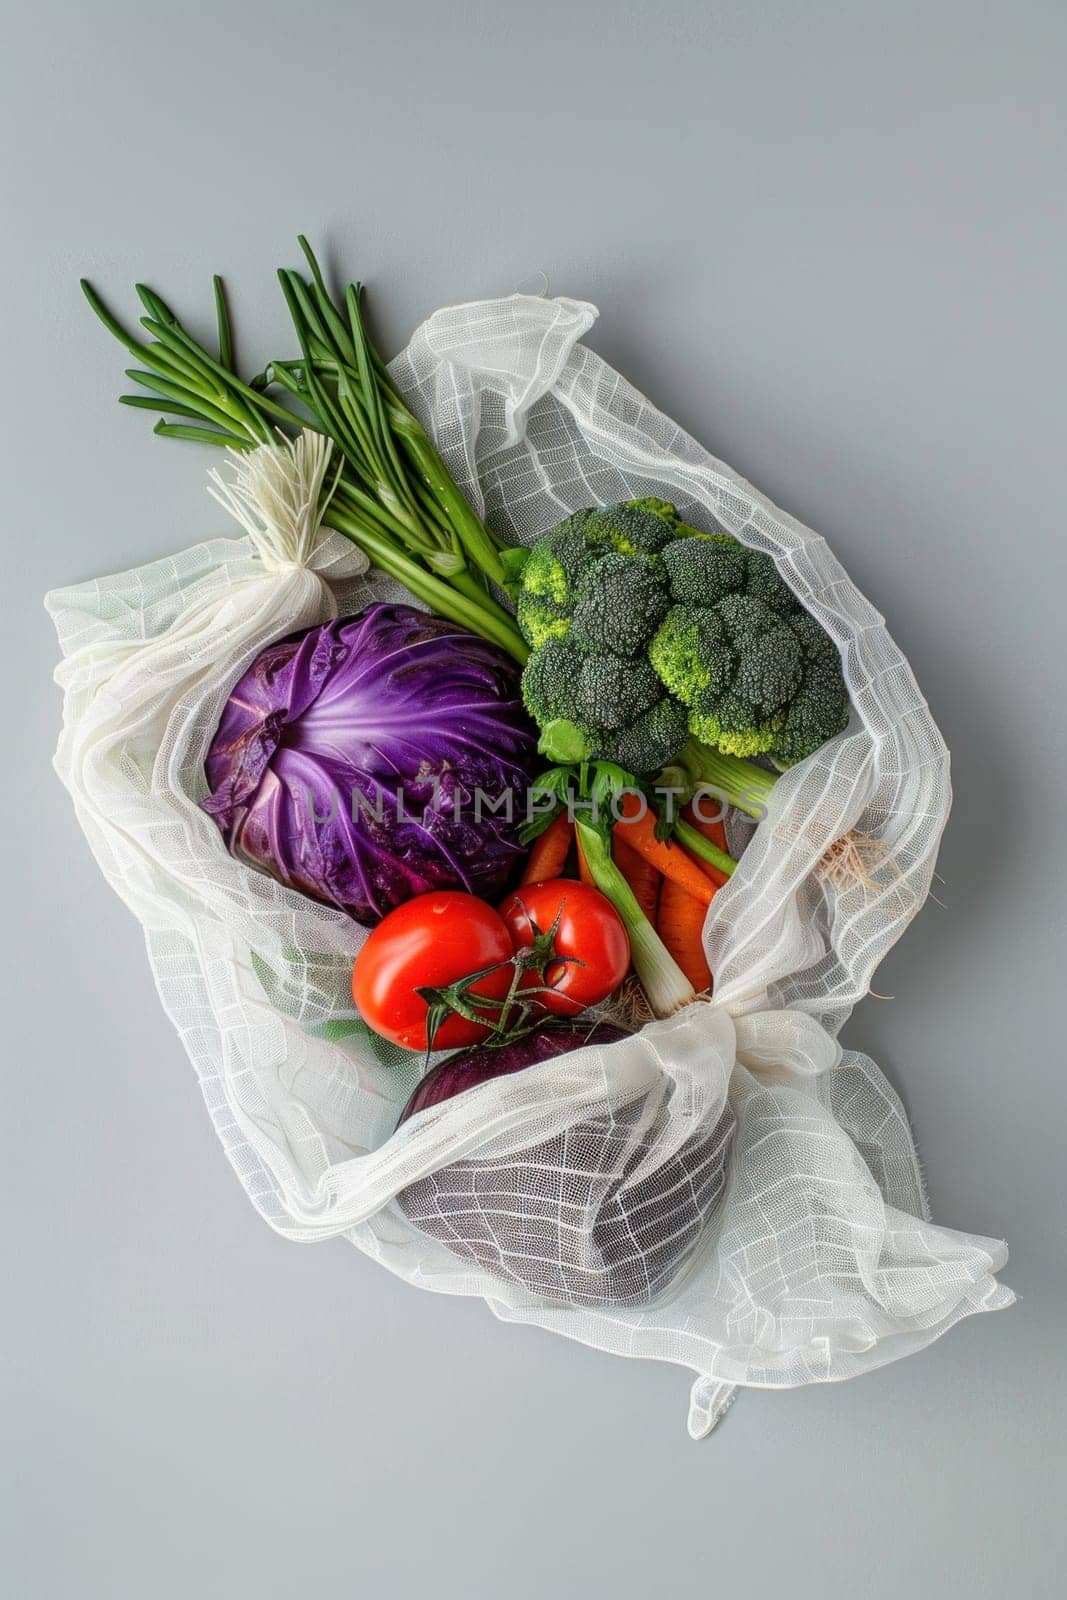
(673, 881)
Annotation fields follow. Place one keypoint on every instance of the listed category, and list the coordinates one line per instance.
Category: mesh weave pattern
(568, 1220)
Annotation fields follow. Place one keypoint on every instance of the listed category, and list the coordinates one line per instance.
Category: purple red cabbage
(348, 760)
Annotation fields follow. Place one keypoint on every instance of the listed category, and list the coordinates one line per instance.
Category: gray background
(829, 240)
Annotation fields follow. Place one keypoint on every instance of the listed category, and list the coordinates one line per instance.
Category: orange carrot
(715, 831)
(638, 829)
(644, 879)
(549, 851)
(680, 926)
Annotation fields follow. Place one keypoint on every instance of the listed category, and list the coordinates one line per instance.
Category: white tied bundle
(772, 1228)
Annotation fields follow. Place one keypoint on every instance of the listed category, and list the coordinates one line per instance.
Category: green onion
(395, 498)
(667, 989)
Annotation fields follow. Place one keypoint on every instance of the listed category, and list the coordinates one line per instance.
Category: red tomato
(427, 942)
(589, 928)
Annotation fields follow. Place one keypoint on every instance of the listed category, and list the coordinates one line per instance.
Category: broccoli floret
(820, 703)
(697, 656)
(555, 564)
(704, 570)
(602, 707)
(620, 603)
(611, 692)
(650, 630)
(540, 619)
(690, 653)
(756, 671)
(544, 576)
(741, 669)
(652, 740)
(548, 680)
(549, 580)
(770, 670)
(630, 529)
(601, 570)
(762, 582)
(744, 620)
(813, 638)
(729, 724)
(658, 508)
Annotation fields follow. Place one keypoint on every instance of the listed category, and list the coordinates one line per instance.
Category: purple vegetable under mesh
(570, 1219)
(348, 760)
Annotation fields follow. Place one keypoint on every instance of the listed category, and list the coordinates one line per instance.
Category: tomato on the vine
(433, 940)
(589, 929)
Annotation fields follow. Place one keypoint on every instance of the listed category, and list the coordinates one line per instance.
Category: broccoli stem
(667, 989)
(563, 742)
(742, 783)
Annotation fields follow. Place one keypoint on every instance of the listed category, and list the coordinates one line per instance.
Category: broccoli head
(644, 631)
(590, 705)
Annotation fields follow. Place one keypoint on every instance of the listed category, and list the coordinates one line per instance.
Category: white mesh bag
(728, 1189)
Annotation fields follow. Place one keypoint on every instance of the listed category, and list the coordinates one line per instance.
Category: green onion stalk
(666, 987)
(395, 498)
